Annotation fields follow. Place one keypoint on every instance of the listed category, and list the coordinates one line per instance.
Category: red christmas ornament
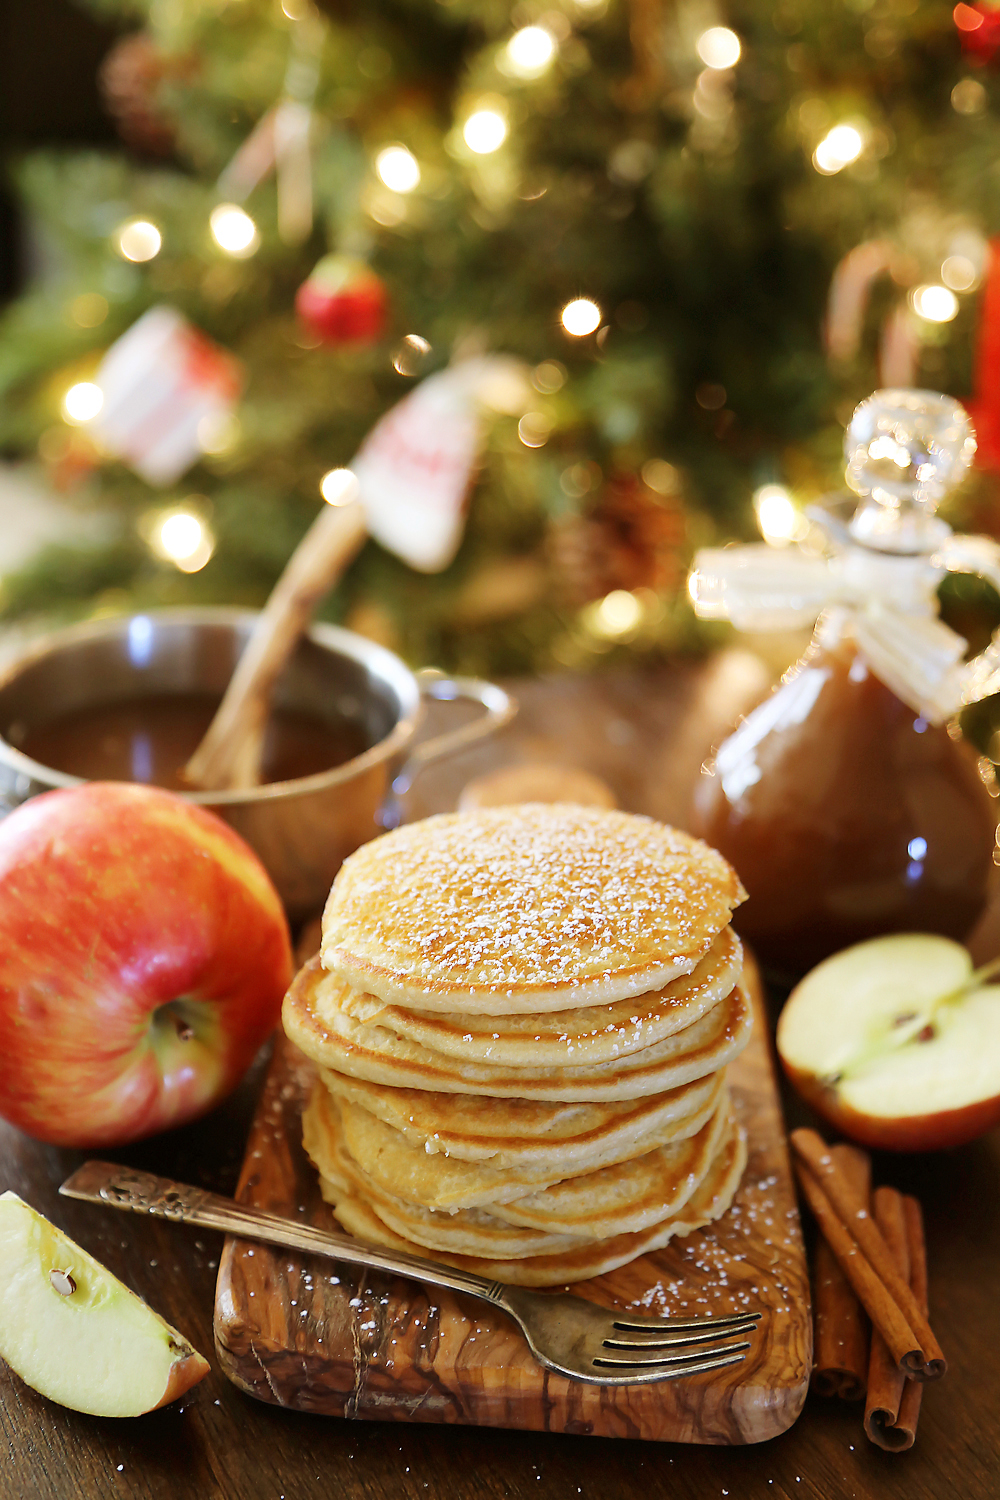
(979, 30)
(343, 301)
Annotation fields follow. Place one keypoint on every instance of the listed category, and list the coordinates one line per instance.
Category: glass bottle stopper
(905, 450)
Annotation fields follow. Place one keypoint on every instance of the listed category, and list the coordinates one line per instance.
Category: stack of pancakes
(521, 1017)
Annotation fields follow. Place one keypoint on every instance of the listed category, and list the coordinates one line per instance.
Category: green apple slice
(74, 1332)
(897, 1042)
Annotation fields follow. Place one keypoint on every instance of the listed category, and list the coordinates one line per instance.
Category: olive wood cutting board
(318, 1336)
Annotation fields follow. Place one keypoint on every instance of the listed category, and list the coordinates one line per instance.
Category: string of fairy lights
(182, 535)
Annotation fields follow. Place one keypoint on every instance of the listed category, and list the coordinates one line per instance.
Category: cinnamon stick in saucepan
(886, 1381)
(886, 1316)
(841, 1341)
(857, 1223)
(229, 756)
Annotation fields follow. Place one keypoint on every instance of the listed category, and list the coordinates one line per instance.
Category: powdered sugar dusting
(530, 896)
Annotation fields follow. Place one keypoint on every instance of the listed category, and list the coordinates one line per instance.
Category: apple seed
(63, 1282)
(927, 1034)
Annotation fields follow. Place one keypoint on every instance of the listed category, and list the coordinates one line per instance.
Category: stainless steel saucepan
(302, 829)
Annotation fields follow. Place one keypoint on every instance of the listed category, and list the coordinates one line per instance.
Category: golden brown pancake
(593, 1258)
(627, 1198)
(468, 1231)
(448, 1183)
(525, 909)
(619, 1199)
(562, 1038)
(477, 1231)
(313, 1020)
(524, 1133)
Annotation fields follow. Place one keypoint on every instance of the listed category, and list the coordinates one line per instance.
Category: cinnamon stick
(854, 1216)
(841, 1337)
(909, 1406)
(886, 1382)
(230, 753)
(885, 1314)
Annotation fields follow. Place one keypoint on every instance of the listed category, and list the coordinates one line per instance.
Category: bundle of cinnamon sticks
(870, 1260)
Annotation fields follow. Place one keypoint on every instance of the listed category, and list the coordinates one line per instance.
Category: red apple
(144, 954)
(896, 1042)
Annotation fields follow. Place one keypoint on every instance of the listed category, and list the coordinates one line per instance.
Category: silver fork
(572, 1336)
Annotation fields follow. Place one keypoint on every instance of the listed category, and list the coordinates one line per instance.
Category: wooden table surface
(647, 735)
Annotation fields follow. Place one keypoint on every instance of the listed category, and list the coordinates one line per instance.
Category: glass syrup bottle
(848, 807)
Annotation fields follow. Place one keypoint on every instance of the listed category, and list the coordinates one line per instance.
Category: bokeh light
(218, 432)
(959, 273)
(838, 148)
(777, 516)
(967, 17)
(185, 540)
(530, 51)
(968, 97)
(534, 428)
(718, 47)
(580, 317)
(549, 376)
(233, 230)
(661, 477)
(936, 304)
(82, 402)
(339, 486)
(618, 614)
(139, 240)
(410, 355)
(485, 131)
(398, 169)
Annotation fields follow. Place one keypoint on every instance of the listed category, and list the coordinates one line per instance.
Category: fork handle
(144, 1193)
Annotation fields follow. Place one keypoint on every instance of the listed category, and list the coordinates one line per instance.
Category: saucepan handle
(500, 709)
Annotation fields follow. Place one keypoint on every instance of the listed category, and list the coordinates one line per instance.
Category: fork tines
(678, 1364)
(651, 1346)
(679, 1335)
(735, 1322)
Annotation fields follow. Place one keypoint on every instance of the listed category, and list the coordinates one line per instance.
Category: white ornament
(416, 464)
(167, 389)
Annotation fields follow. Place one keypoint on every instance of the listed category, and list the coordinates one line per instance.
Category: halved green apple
(74, 1332)
(896, 1042)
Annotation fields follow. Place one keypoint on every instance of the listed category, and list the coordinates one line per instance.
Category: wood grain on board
(324, 1337)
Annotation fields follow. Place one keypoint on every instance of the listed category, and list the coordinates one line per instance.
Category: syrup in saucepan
(151, 739)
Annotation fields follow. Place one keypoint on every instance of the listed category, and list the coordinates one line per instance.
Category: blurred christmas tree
(643, 202)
